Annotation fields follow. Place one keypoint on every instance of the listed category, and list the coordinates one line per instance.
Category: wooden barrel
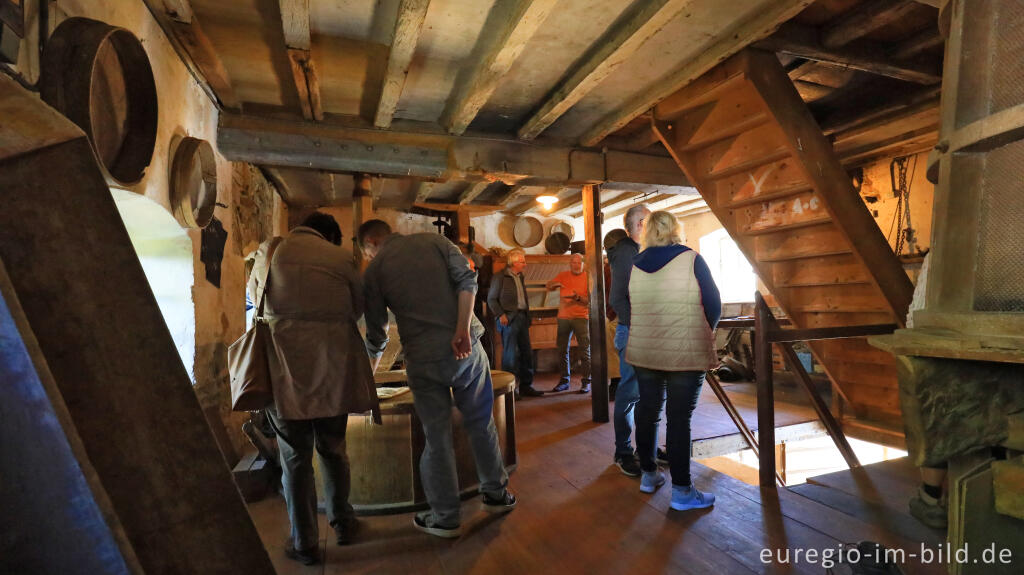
(100, 78)
(193, 183)
(385, 458)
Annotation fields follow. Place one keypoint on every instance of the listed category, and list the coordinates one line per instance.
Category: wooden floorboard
(578, 514)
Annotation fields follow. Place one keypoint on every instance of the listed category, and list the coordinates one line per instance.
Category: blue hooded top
(654, 258)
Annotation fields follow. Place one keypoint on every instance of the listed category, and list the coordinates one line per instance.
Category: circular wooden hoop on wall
(562, 227)
(100, 78)
(528, 231)
(193, 183)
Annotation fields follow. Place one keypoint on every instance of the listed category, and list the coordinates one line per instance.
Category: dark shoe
(628, 465)
(585, 388)
(928, 510)
(529, 391)
(503, 504)
(310, 556)
(661, 456)
(346, 530)
(562, 386)
(425, 523)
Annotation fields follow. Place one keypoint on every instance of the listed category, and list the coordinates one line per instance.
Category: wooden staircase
(747, 141)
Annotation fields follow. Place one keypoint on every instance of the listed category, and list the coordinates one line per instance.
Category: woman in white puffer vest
(675, 308)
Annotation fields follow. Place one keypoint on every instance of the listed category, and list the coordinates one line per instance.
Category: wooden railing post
(763, 324)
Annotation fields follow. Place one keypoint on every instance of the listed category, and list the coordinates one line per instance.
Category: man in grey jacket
(426, 282)
(509, 304)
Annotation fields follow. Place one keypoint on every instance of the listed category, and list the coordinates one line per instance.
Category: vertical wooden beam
(509, 26)
(763, 322)
(737, 419)
(411, 14)
(307, 84)
(833, 427)
(295, 25)
(362, 211)
(595, 279)
(462, 225)
(423, 191)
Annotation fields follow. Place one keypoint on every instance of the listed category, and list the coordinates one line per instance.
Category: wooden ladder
(747, 141)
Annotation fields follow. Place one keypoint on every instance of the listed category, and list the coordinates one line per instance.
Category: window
(733, 275)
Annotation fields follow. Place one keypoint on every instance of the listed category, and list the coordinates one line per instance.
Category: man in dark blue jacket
(620, 257)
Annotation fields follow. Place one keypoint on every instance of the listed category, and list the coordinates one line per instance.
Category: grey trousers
(566, 328)
(296, 439)
(434, 385)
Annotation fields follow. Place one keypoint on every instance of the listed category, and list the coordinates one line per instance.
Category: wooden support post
(595, 279)
(362, 211)
(819, 406)
(763, 323)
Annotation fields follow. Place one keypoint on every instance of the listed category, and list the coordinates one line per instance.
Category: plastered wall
(184, 110)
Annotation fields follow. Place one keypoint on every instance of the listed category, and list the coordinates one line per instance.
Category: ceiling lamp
(547, 201)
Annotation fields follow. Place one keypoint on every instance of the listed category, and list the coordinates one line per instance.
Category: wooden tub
(385, 458)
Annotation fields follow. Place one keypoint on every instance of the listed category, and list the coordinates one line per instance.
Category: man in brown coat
(320, 373)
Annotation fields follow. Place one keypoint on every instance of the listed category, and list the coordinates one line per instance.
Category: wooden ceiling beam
(802, 41)
(295, 25)
(423, 191)
(569, 205)
(345, 148)
(411, 14)
(864, 19)
(614, 47)
(508, 28)
(619, 210)
(194, 49)
(730, 42)
(852, 118)
(920, 42)
(513, 193)
(471, 193)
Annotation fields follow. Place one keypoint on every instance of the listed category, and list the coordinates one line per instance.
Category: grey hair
(634, 214)
(512, 253)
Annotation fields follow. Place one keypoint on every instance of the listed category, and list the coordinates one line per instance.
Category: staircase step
(820, 271)
(770, 194)
(747, 165)
(822, 240)
(786, 227)
(704, 140)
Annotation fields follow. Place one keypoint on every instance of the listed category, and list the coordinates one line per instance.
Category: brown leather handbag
(248, 357)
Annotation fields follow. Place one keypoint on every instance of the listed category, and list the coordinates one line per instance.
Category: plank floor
(578, 514)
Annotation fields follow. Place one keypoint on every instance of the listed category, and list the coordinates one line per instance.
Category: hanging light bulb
(547, 201)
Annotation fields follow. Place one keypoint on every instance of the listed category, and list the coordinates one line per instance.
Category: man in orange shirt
(573, 318)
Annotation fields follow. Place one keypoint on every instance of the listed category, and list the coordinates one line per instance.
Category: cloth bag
(248, 359)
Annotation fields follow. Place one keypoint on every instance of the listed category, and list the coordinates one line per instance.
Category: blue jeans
(682, 389)
(296, 439)
(626, 395)
(434, 384)
(516, 351)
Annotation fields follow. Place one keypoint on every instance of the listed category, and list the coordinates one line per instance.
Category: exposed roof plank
(613, 48)
(730, 42)
(295, 23)
(618, 211)
(568, 205)
(195, 49)
(801, 41)
(471, 193)
(863, 20)
(509, 26)
(411, 14)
